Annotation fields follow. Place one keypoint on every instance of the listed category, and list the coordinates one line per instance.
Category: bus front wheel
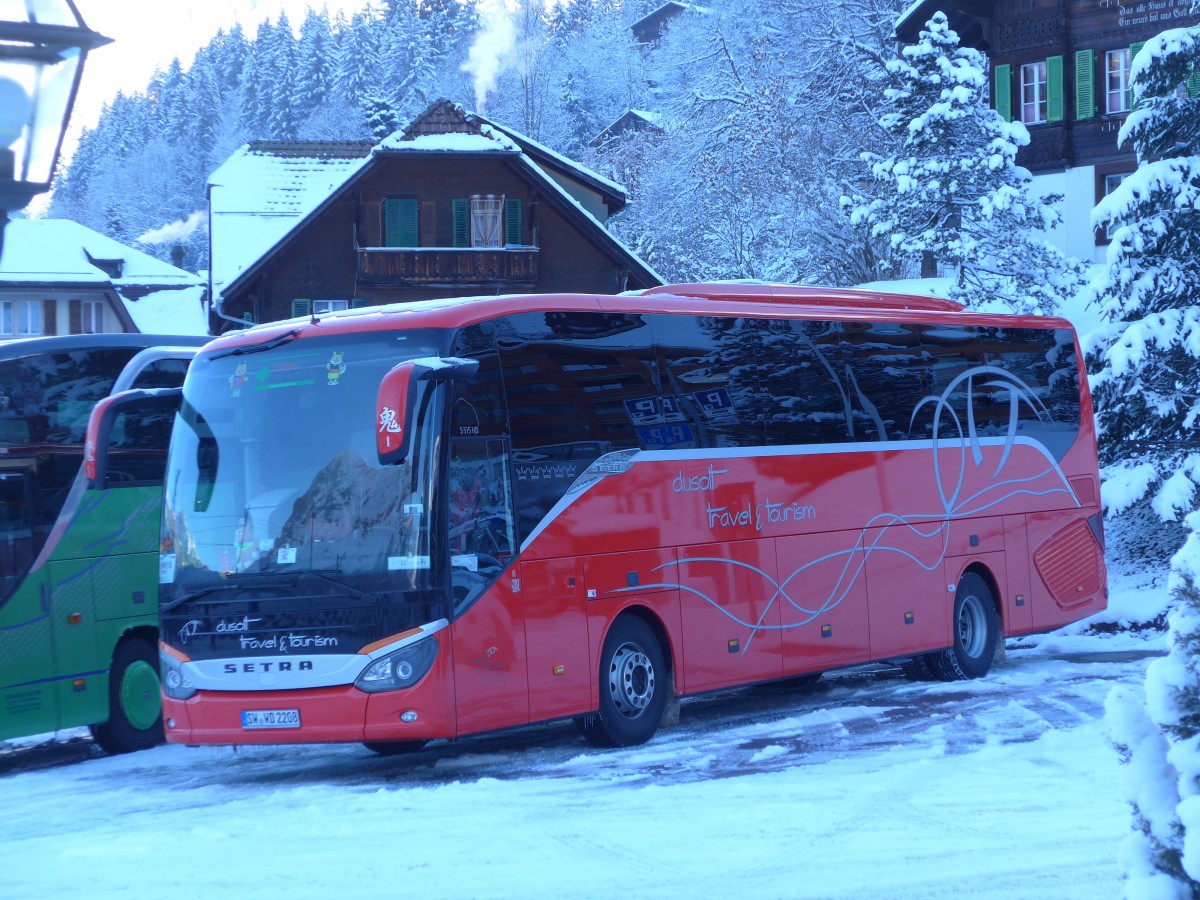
(633, 687)
(134, 700)
(975, 627)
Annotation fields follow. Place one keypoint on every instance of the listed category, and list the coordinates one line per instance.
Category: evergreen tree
(952, 190)
(1147, 387)
(313, 62)
(1147, 396)
(279, 61)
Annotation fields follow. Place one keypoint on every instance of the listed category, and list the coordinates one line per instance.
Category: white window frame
(323, 307)
(1111, 183)
(1118, 89)
(21, 318)
(91, 317)
(1034, 107)
(487, 220)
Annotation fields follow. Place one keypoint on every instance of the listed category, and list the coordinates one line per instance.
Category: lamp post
(43, 45)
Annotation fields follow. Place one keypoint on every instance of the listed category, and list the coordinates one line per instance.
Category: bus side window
(138, 448)
(577, 386)
(162, 373)
(16, 529)
(711, 377)
(805, 397)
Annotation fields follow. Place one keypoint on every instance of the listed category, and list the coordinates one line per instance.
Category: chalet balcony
(451, 267)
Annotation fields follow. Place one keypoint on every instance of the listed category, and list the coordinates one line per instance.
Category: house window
(320, 307)
(487, 217)
(1117, 85)
(1111, 183)
(1033, 93)
(487, 220)
(92, 317)
(21, 317)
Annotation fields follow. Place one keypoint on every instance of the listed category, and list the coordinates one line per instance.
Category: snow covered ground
(865, 785)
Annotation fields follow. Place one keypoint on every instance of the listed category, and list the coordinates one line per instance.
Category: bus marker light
(75, 618)
(170, 723)
(560, 670)
(408, 715)
(826, 631)
(79, 684)
(1020, 599)
(735, 645)
(909, 618)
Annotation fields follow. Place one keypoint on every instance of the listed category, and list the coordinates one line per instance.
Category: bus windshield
(274, 473)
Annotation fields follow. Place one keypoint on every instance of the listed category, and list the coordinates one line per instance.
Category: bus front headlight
(175, 681)
(401, 669)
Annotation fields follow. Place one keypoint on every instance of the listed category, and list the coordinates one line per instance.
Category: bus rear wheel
(134, 700)
(976, 628)
(633, 687)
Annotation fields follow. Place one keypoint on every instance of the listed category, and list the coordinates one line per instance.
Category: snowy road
(862, 785)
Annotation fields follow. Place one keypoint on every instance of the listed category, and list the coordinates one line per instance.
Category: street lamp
(43, 45)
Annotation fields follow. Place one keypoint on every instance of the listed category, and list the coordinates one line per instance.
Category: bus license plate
(270, 718)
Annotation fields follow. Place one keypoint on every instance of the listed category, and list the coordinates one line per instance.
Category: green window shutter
(1133, 52)
(400, 222)
(359, 303)
(1054, 89)
(460, 218)
(512, 221)
(1193, 81)
(1085, 84)
(301, 308)
(1002, 91)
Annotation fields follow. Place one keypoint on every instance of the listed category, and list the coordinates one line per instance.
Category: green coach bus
(79, 559)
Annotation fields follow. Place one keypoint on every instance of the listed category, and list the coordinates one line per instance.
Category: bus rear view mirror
(116, 425)
(395, 404)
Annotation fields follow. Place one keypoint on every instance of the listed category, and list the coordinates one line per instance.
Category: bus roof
(712, 299)
(766, 292)
(66, 343)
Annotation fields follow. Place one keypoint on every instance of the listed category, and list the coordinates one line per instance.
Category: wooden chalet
(453, 205)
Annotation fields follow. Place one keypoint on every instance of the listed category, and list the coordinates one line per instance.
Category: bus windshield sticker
(403, 563)
(238, 380)
(286, 556)
(335, 368)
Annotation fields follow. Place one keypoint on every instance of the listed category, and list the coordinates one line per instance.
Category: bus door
(490, 681)
(27, 703)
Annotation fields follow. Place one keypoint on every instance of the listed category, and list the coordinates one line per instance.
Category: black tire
(134, 700)
(633, 687)
(976, 628)
(394, 748)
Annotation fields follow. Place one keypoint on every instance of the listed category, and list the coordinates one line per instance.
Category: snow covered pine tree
(952, 189)
(1147, 394)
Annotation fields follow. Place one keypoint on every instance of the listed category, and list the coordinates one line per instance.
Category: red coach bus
(443, 518)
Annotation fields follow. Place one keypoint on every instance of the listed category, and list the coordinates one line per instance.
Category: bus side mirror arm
(104, 414)
(396, 401)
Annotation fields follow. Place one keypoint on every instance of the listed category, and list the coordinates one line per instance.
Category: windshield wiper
(258, 348)
(213, 589)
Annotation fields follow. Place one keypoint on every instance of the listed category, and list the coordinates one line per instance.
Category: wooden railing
(448, 266)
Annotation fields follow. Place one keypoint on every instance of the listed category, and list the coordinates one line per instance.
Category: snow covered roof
(265, 189)
(630, 120)
(59, 251)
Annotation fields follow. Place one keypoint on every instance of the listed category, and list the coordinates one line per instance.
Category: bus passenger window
(710, 374)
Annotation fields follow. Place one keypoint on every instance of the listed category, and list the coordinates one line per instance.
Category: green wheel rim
(141, 700)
